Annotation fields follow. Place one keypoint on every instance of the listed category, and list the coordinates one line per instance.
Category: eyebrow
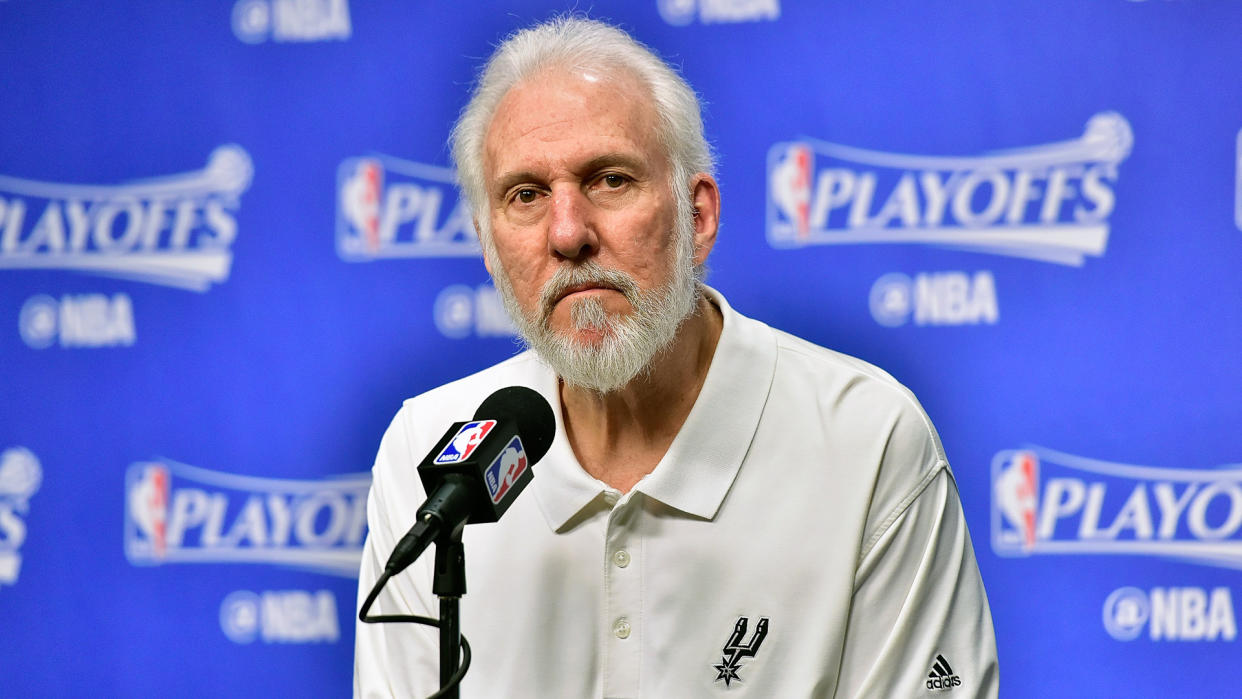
(513, 178)
(614, 160)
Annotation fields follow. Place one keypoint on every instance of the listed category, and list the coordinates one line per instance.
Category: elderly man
(726, 510)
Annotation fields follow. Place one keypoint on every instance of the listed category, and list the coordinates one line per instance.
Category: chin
(587, 339)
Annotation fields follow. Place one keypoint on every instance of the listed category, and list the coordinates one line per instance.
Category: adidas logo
(941, 676)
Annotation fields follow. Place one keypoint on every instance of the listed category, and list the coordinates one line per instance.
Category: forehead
(559, 118)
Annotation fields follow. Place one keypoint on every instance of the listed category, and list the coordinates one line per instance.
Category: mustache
(589, 273)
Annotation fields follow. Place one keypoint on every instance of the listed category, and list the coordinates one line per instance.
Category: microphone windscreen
(531, 412)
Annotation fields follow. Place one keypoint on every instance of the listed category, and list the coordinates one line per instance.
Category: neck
(619, 437)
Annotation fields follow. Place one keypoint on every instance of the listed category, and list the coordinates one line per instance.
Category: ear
(478, 233)
(705, 198)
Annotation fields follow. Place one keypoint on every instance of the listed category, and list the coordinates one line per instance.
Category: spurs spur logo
(735, 649)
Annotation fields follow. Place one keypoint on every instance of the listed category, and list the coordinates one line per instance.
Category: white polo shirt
(802, 537)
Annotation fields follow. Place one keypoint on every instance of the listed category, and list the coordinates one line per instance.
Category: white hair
(580, 44)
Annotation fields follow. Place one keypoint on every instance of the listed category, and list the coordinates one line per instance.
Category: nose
(571, 228)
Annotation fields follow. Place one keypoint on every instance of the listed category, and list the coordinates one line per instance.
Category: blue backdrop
(230, 246)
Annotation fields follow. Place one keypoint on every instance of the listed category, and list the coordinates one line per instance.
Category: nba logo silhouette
(463, 444)
(505, 470)
(148, 506)
(360, 195)
(1016, 489)
(791, 186)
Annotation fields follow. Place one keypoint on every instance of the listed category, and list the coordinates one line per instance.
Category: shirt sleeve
(919, 623)
(395, 659)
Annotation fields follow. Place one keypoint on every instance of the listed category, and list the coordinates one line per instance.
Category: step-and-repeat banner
(230, 245)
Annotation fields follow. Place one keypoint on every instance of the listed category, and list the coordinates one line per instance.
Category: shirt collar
(701, 464)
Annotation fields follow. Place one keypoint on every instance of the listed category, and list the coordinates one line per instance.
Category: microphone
(478, 468)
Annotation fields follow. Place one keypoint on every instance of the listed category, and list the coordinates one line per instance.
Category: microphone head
(531, 413)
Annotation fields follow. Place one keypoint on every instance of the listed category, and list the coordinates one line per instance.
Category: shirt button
(621, 629)
(621, 558)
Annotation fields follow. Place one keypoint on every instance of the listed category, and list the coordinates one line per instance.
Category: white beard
(630, 342)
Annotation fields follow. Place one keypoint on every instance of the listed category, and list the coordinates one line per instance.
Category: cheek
(647, 254)
(524, 268)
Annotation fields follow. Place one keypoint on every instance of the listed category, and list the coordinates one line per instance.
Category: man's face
(582, 217)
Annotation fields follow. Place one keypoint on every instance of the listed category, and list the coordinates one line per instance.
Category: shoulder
(872, 424)
(852, 386)
(810, 354)
(849, 397)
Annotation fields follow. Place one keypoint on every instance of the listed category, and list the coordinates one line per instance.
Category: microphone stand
(449, 585)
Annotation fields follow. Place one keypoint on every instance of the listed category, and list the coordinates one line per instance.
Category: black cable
(455, 680)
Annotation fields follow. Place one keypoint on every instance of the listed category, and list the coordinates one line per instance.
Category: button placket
(623, 599)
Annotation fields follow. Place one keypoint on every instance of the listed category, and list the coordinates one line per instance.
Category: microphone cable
(456, 678)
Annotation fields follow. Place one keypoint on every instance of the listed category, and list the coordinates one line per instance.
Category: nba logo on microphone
(505, 470)
(463, 444)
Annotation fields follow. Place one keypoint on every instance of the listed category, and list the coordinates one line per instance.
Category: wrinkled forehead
(556, 101)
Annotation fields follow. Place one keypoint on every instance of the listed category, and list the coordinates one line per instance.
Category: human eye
(523, 196)
(524, 202)
(611, 182)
